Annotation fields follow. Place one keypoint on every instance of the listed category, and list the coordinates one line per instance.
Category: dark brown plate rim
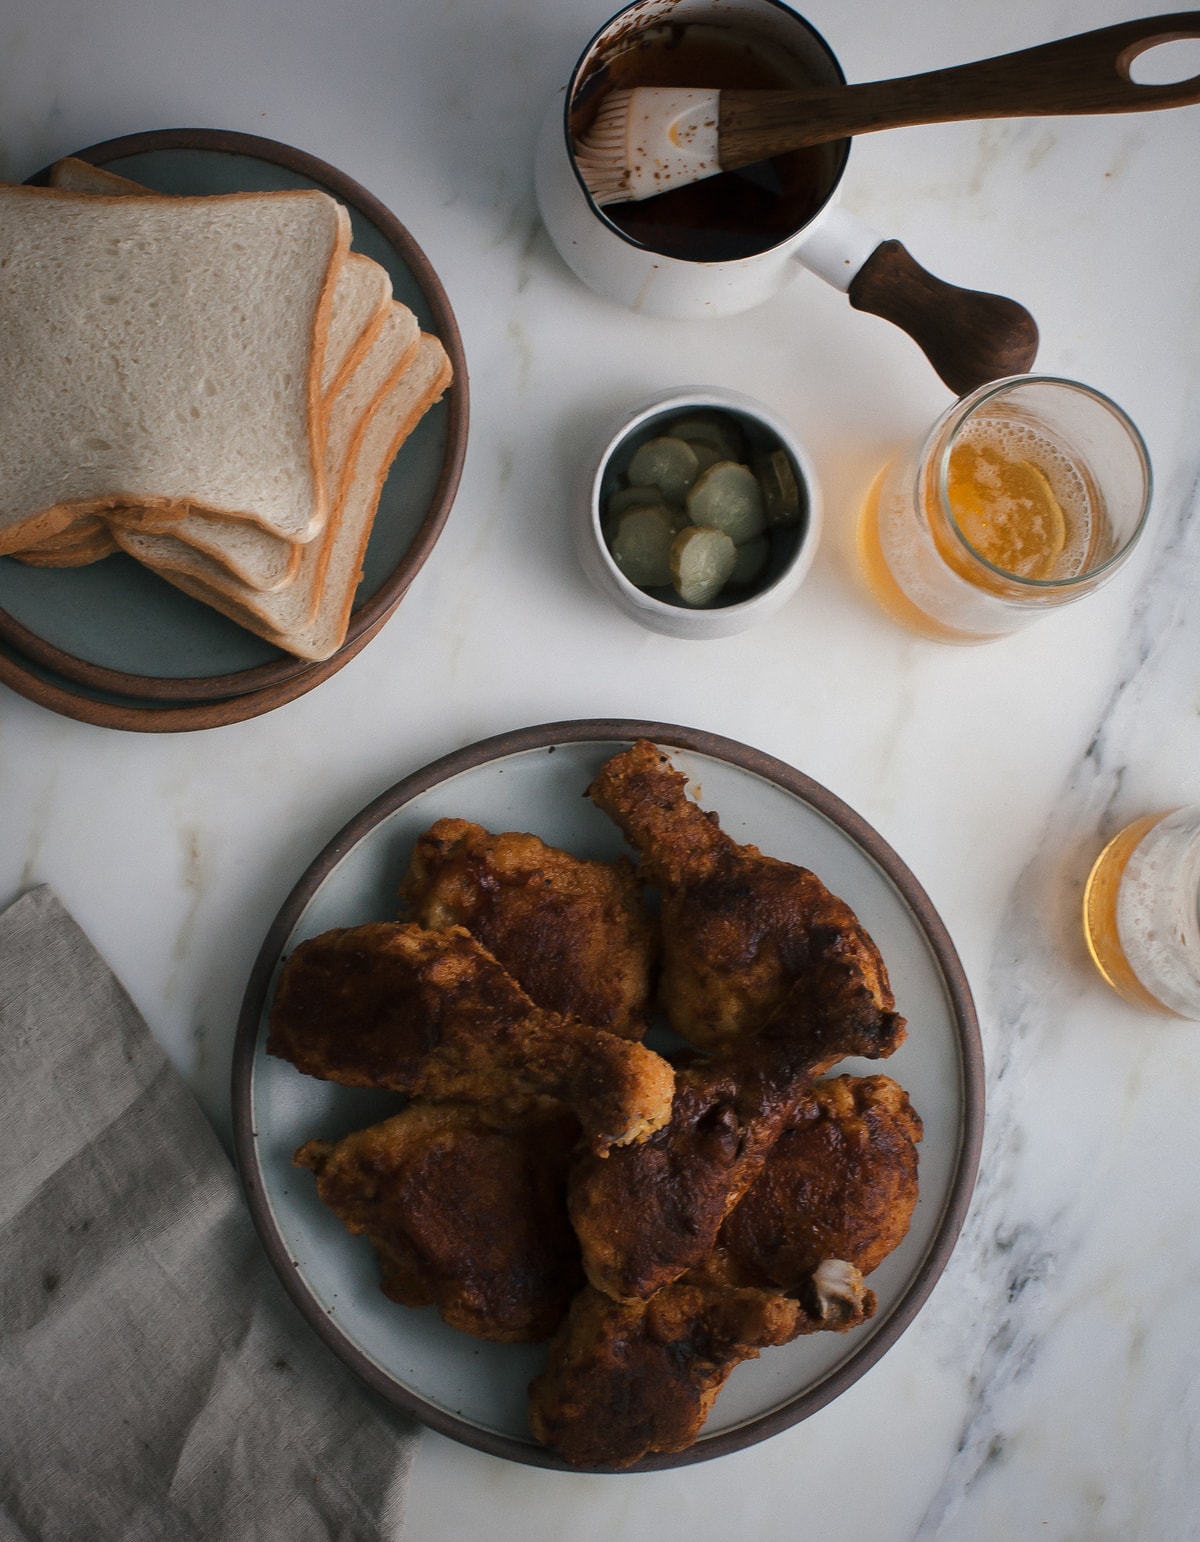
(70, 699)
(767, 767)
(246, 693)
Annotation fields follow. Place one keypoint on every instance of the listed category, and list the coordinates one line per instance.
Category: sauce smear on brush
(737, 213)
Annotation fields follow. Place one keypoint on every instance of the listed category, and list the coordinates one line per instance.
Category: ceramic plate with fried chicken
(860, 1072)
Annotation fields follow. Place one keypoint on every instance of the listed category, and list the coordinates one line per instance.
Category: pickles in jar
(697, 509)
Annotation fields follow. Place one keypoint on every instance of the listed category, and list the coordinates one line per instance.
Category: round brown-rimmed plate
(125, 636)
(109, 709)
(534, 780)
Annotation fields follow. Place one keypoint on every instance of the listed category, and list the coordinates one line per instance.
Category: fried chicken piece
(650, 1212)
(572, 932)
(624, 1379)
(433, 1014)
(840, 1182)
(466, 1212)
(737, 926)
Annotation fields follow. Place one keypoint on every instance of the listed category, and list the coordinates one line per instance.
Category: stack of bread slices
(216, 385)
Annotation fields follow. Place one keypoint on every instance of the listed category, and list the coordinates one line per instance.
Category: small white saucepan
(722, 246)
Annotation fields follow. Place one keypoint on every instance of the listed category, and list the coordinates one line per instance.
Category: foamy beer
(1141, 913)
(1028, 493)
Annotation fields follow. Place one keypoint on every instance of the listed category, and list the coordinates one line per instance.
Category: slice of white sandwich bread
(362, 301)
(310, 616)
(379, 376)
(164, 352)
(361, 296)
(387, 361)
(256, 557)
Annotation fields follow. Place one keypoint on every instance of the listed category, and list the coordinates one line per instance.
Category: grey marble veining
(1019, 1258)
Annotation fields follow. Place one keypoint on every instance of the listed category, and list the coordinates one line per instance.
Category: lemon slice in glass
(1007, 510)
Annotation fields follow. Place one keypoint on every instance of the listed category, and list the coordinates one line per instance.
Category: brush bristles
(645, 140)
(602, 153)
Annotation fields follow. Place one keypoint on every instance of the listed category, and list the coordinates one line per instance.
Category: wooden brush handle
(968, 336)
(1088, 73)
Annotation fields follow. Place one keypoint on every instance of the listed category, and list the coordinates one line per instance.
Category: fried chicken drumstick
(627, 1378)
(737, 926)
(466, 1211)
(433, 1014)
(571, 931)
(650, 1212)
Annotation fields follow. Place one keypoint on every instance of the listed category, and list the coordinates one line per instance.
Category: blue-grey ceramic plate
(534, 780)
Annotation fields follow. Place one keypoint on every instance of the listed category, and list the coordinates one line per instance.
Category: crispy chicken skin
(650, 1212)
(433, 1014)
(466, 1211)
(737, 926)
(624, 1379)
(572, 932)
(840, 1182)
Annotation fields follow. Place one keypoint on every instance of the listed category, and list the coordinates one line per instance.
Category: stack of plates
(115, 645)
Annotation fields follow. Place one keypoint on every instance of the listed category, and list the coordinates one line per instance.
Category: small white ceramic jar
(734, 610)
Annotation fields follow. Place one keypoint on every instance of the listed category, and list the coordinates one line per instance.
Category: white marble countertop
(1051, 1385)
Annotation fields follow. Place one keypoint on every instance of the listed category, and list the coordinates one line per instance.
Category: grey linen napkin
(155, 1381)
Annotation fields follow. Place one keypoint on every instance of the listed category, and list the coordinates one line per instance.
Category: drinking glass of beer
(1141, 913)
(1026, 494)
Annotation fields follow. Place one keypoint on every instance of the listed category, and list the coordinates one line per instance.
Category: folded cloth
(155, 1380)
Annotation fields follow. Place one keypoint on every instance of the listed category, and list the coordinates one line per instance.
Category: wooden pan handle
(1087, 73)
(969, 337)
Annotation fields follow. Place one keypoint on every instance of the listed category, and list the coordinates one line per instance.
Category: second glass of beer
(1141, 912)
(1028, 493)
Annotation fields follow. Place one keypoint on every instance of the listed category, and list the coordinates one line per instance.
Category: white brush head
(648, 139)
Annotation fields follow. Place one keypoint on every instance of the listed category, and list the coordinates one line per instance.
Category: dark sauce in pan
(737, 213)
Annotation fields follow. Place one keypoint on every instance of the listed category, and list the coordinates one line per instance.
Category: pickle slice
(706, 454)
(623, 498)
(727, 497)
(715, 429)
(666, 463)
(641, 544)
(751, 561)
(620, 501)
(780, 490)
(701, 561)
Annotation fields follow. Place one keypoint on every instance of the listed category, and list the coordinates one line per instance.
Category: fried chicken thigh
(466, 1212)
(572, 932)
(737, 926)
(840, 1182)
(832, 1198)
(648, 1213)
(433, 1014)
(624, 1379)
